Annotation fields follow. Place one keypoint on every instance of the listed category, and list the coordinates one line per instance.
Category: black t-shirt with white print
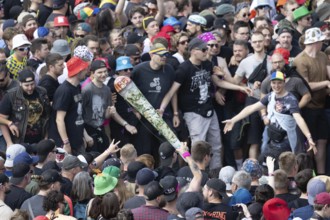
(196, 87)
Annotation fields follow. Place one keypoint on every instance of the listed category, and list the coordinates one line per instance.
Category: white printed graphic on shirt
(79, 120)
(201, 81)
(155, 85)
(98, 110)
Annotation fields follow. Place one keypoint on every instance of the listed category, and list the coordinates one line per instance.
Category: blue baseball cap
(123, 63)
(24, 157)
(172, 21)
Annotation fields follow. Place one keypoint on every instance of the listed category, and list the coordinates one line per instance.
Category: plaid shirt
(14, 65)
(149, 213)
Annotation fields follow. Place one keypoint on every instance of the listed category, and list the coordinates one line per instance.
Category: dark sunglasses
(164, 55)
(203, 50)
(293, 9)
(263, 7)
(213, 45)
(23, 49)
(126, 70)
(246, 15)
(183, 42)
(79, 35)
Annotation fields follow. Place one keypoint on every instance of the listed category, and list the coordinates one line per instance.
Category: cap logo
(60, 20)
(162, 155)
(124, 62)
(169, 191)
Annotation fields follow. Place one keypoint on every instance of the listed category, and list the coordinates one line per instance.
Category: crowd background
(243, 84)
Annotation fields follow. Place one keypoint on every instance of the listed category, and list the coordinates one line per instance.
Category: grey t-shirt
(95, 102)
(36, 206)
(246, 68)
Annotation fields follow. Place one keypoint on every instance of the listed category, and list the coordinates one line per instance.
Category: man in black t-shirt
(214, 191)
(66, 122)
(154, 79)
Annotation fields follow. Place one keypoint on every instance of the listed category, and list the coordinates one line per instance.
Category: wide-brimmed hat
(314, 35)
(20, 40)
(61, 47)
(104, 183)
(75, 65)
(300, 13)
(123, 63)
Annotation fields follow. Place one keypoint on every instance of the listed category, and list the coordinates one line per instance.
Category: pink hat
(206, 37)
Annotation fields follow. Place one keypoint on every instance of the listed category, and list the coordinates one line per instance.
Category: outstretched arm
(244, 113)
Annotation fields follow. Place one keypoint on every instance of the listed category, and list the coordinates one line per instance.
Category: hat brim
(22, 43)
(170, 197)
(296, 19)
(127, 66)
(99, 192)
(166, 162)
(62, 53)
(35, 159)
(9, 163)
(306, 42)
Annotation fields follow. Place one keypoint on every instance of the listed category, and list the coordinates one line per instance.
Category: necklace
(199, 67)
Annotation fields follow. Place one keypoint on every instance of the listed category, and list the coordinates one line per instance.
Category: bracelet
(186, 154)
(176, 113)
(66, 141)
(125, 123)
(10, 124)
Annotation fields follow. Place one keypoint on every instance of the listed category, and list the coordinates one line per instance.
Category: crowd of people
(243, 84)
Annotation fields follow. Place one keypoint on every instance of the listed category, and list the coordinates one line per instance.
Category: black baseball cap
(170, 186)
(166, 151)
(152, 190)
(217, 185)
(97, 64)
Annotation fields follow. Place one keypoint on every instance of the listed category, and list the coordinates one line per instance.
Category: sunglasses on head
(23, 49)
(183, 42)
(213, 45)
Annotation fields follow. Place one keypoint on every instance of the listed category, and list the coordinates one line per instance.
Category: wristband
(66, 141)
(186, 154)
(125, 123)
(10, 124)
(176, 113)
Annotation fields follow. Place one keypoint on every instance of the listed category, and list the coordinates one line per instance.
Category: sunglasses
(263, 7)
(246, 15)
(213, 45)
(293, 9)
(164, 55)
(203, 50)
(23, 49)
(79, 35)
(126, 70)
(183, 42)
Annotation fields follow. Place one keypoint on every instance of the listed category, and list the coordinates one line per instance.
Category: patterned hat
(85, 13)
(314, 35)
(83, 53)
(252, 167)
(206, 37)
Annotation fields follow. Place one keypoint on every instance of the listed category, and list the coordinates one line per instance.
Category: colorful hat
(206, 37)
(197, 19)
(252, 167)
(61, 21)
(75, 65)
(300, 13)
(146, 21)
(83, 52)
(314, 35)
(172, 21)
(276, 209)
(158, 49)
(104, 183)
(108, 4)
(85, 13)
(278, 76)
(123, 63)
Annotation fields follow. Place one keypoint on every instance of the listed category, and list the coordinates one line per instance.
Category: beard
(162, 202)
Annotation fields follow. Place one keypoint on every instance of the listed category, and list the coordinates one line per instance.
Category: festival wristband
(186, 154)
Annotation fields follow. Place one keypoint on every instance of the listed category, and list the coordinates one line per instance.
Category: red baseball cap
(276, 209)
(322, 198)
(61, 21)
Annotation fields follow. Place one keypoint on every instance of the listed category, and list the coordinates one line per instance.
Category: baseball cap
(134, 38)
(221, 23)
(322, 198)
(170, 185)
(104, 183)
(19, 171)
(24, 157)
(225, 9)
(217, 185)
(70, 162)
(145, 176)
(61, 21)
(11, 152)
(97, 64)
(277, 75)
(40, 32)
(276, 209)
(111, 162)
(26, 75)
(314, 187)
(192, 212)
(132, 50)
(44, 147)
(51, 165)
(58, 4)
(166, 151)
(51, 176)
(285, 30)
(75, 65)
(158, 49)
(252, 167)
(226, 175)
(132, 169)
(241, 196)
(196, 43)
(152, 190)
